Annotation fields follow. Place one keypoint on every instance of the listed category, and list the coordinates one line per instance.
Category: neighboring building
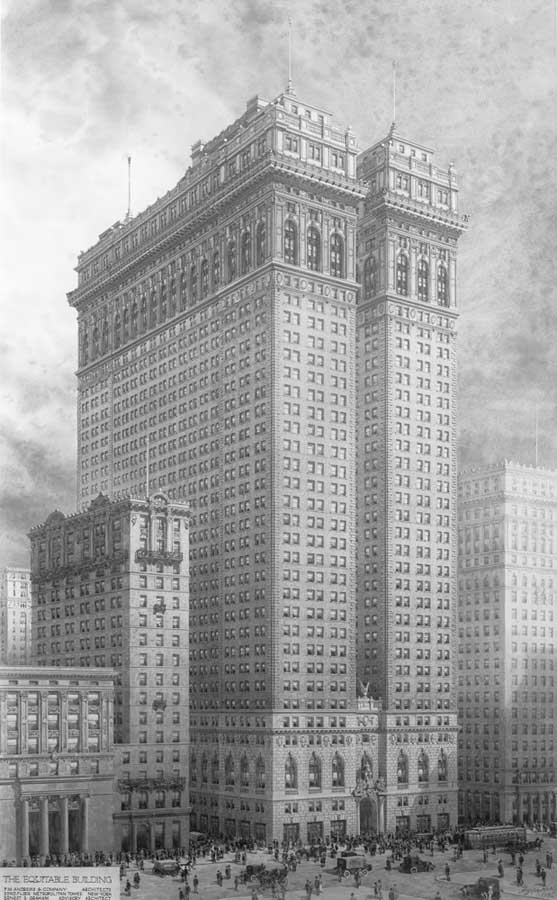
(110, 587)
(217, 338)
(507, 644)
(15, 616)
(56, 762)
(407, 236)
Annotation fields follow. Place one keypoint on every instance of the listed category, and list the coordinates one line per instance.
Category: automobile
(484, 887)
(266, 875)
(412, 864)
(166, 867)
(350, 864)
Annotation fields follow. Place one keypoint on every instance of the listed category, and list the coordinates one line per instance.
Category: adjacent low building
(110, 589)
(56, 762)
(507, 622)
(15, 616)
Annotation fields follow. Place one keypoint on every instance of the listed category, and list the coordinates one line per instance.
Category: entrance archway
(368, 816)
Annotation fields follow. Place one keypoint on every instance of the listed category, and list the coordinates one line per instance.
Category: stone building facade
(408, 229)
(56, 762)
(111, 588)
(507, 623)
(15, 616)
(217, 363)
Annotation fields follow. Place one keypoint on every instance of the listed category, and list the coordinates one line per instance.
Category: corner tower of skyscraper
(217, 363)
(406, 424)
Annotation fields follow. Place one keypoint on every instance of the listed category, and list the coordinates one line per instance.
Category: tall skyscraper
(15, 616)
(406, 421)
(216, 334)
(507, 623)
(110, 589)
(217, 363)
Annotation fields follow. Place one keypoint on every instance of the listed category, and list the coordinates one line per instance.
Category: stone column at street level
(152, 836)
(43, 842)
(64, 826)
(85, 824)
(24, 834)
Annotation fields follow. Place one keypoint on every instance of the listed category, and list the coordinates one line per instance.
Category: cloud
(88, 81)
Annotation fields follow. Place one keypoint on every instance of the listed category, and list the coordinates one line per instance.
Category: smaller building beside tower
(56, 762)
(111, 589)
(15, 616)
(506, 644)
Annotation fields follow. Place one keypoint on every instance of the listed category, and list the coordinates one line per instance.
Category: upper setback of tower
(401, 176)
(283, 140)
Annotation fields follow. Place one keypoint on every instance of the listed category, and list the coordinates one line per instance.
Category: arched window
(204, 277)
(183, 289)
(402, 275)
(369, 277)
(216, 269)
(229, 770)
(261, 241)
(244, 771)
(162, 302)
(423, 280)
(153, 310)
(117, 330)
(143, 323)
(260, 774)
(125, 324)
(231, 260)
(134, 319)
(314, 771)
(172, 308)
(246, 252)
(338, 771)
(442, 768)
(313, 249)
(104, 337)
(175, 799)
(159, 800)
(337, 256)
(290, 773)
(290, 242)
(125, 801)
(423, 768)
(142, 799)
(215, 773)
(442, 286)
(204, 769)
(402, 769)
(193, 283)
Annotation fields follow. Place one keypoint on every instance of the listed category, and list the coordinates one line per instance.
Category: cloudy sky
(85, 82)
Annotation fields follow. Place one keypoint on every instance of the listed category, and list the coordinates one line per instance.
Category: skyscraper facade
(110, 588)
(506, 643)
(406, 423)
(15, 616)
(217, 363)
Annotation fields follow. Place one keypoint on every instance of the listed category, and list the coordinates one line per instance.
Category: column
(530, 810)
(24, 847)
(152, 836)
(64, 829)
(43, 842)
(380, 814)
(133, 837)
(85, 825)
(412, 265)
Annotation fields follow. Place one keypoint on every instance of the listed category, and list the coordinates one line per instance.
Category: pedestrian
(500, 869)
(543, 875)
(448, 872)
(375, 891)
(195, 884)
(181, 894)
(391, 893)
